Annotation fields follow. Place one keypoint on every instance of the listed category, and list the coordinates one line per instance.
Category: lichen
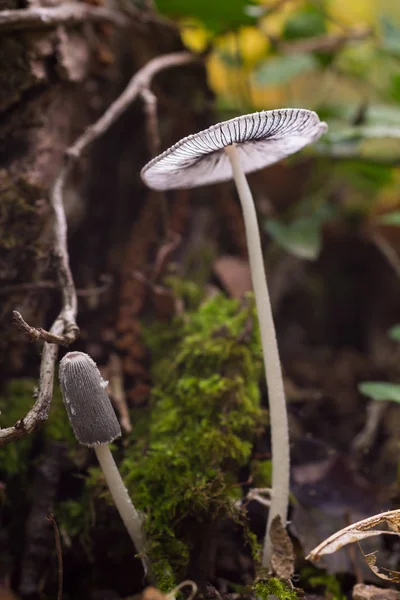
(185, 451)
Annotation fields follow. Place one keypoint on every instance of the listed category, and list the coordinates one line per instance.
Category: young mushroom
(230, 150)
(95, 425)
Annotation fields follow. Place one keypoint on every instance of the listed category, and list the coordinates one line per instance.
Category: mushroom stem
(129, 515)
(276, 395)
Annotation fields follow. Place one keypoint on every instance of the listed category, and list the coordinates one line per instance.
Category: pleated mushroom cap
(262, 139)
(88, 406)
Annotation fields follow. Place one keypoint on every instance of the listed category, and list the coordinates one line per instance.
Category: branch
(140, 82)
(326, 43)
(66, 14)
(40, 410)
(64, 328)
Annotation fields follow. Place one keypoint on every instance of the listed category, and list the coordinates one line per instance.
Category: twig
(50, 17)
(387, 250)
(51, 285)
(40, 410)
(59, 555)
(65, 326)
(37, 333)
(140, 81)
(326, 43)
(117, 391)
(366, 438)
(150, 108)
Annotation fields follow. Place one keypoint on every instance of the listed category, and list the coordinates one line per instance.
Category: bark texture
(54, 82)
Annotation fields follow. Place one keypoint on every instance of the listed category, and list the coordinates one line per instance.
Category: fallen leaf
(234, 275)
(357, 532)
(370, 559)
(282, 559)
(371, 592)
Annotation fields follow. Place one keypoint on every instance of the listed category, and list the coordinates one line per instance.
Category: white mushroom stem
(129, 515)
(276, 395)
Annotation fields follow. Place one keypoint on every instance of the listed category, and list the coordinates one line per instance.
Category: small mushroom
(95, 425)
(229, 150)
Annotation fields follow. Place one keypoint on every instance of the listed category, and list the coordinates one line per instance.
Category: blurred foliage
(383, 390)
(336, 57)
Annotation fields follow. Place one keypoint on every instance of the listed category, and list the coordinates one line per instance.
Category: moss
(322, 582)
(20, 219)
(204, 414)
(261, 472)
(274, 586)
(15, 402)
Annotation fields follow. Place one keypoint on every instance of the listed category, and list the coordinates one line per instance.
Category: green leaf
(301, 237)
(380, 390)
(394, 88)
(282, 69)
(216, 15)
(392, 218)
(304, 23)
(362, 132)
(390, 35)
(394, 333)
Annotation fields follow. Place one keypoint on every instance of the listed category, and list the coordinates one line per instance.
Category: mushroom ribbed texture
(95, 425)
(261, 138)
(230, 150)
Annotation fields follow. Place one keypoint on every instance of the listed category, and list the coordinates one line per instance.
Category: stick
(65, 326)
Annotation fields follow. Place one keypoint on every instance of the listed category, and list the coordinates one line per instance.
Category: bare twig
(17, 288)
(117, 392)
(37, 333)
(140, 81)
(365, 439)
(65, 329)
(59, 555)
(50, 17)
(40, 410)
(327, 43)
(150, 108)
(387, 250)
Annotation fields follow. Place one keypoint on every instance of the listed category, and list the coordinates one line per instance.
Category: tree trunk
(54, 82)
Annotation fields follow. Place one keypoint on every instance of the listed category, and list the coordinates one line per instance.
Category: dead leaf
(371, 592)
(357, 532)
(234, 274)
(282, 559)
(370, 559)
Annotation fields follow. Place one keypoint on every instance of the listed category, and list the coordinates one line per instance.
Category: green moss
(261, 472)
(321, 581)
(280, 588)
(20, 219)
(15, 402)
(200, 427)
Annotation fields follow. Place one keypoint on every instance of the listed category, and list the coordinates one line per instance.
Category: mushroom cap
(262, 138)
(88, 406)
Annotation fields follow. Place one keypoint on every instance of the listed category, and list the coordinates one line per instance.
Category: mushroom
(229, 150)
(95, 425)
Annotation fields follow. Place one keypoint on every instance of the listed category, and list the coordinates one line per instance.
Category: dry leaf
(371, 592)
(282, 559)
(370, 559)
(357, 532)
(234, 274)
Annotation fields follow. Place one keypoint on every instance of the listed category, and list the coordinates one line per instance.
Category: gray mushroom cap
(88, 406)
(262, 139)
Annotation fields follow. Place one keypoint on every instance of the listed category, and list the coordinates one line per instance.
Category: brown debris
(282, 559)
(234, 275)
(371, 592)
